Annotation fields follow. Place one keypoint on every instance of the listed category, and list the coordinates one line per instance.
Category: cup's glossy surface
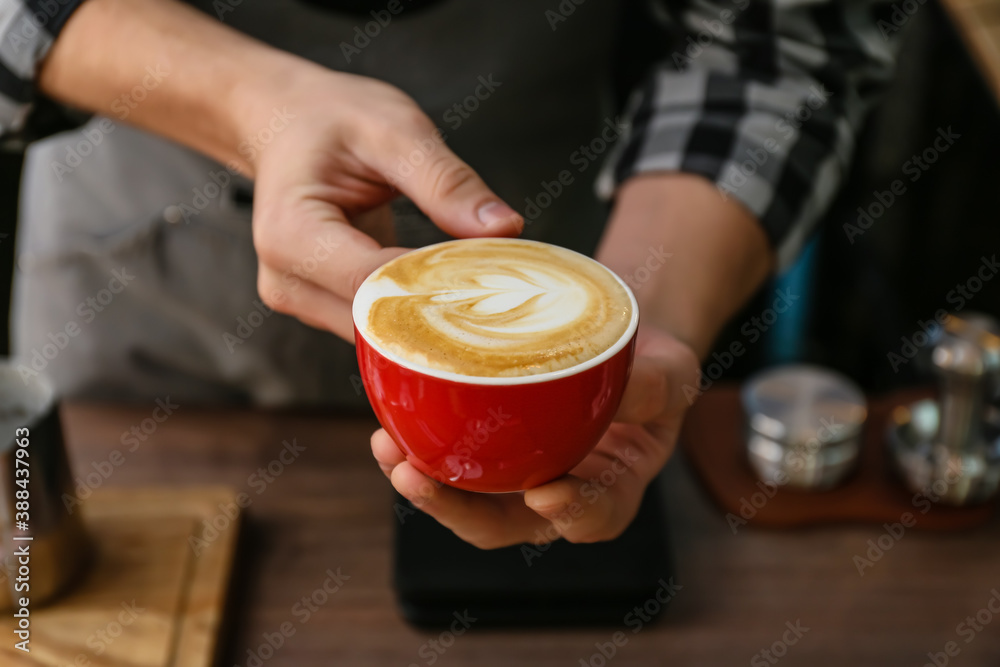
(499, 436)
(481, 432)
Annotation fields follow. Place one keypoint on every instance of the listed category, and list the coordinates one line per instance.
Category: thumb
(664, 374)
(647, 394)
(450, 192)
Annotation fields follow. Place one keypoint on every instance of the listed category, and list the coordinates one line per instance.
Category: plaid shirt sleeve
(762, 97)
(27, 30)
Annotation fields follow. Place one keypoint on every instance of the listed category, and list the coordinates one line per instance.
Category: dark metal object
(52, 534)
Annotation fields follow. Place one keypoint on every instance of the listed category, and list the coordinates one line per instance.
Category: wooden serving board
(148, 599)
(714, 437)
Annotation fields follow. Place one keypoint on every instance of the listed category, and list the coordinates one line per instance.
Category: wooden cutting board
(154, 595)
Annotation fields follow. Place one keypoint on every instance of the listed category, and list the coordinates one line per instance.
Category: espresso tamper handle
(966, 359)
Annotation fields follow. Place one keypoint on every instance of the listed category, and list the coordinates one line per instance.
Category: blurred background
(860, 298)
(857, 299)
(856, 303)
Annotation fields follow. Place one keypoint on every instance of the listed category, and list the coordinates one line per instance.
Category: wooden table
(329, 509)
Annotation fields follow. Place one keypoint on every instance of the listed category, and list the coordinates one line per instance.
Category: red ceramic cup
(496, 434)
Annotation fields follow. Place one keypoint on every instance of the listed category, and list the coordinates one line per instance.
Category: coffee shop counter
(318, 507)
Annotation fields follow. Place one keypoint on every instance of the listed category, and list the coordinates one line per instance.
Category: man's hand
(328, 173)
(599, 498)
(701, 257)
(326, 149)
(354, 144)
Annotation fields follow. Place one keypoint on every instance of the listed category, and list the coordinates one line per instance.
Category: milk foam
(493, 308)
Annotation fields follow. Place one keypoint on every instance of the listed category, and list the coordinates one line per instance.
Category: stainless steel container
(803, 426)
(949, 449)
(932, 468)
(44, 546)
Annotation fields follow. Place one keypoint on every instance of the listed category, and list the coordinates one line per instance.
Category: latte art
(493, 308)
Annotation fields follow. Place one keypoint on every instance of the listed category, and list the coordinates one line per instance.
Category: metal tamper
(949, 449)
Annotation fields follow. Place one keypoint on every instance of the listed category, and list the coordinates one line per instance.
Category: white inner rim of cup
(518, 379)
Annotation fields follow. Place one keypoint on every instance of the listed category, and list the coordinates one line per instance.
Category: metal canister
(44, 547)
(949, 449)
(803, 426)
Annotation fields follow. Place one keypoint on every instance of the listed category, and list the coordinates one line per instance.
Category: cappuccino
(494, 308)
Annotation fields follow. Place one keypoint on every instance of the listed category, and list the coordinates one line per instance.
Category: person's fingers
(458, 201)
(386, 452)
(601, 497)
(488, 521)
(416, 161)
(647, 392)
(665, 373)
(597, 502)
(311, 241)
(311, 304)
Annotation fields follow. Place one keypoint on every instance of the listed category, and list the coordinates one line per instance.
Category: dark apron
(119, 296)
